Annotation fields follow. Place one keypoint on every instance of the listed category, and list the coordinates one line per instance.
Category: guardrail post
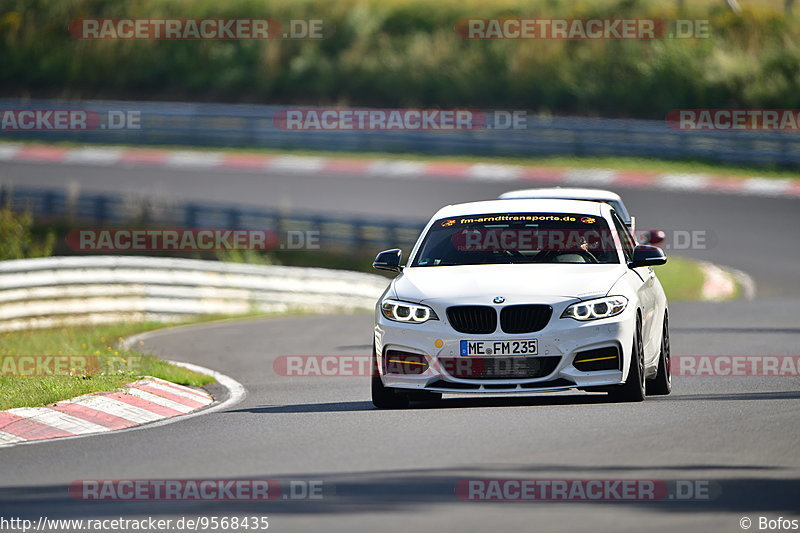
(101, 208)
(190, 216)
(48, 203)
(786, 153)
(316, 226)
(234, 219)
(359, 241)
(578, 142)
(252, 133)
(395, 236)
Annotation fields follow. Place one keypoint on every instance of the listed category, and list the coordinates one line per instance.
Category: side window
(624, 237)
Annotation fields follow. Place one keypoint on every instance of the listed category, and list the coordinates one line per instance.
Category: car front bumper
(560, 344)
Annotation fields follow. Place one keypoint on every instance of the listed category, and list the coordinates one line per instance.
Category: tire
(633, 390)
(385, 397)
(424, 396)
(661, 385)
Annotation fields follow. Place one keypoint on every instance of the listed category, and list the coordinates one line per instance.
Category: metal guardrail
(348, 234)
(235, 125)
(65, 291)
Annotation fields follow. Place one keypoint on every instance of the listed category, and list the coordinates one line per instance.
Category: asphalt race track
(398, 470)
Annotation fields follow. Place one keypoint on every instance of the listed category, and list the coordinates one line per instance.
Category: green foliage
(19, 241)
(244, 256)
(682, 278)
(96, 341)
(406, 53)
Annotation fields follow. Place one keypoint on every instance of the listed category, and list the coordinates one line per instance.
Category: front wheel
(633, 390)
(385, 397)
(661, 385)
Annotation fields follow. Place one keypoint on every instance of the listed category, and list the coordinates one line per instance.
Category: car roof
(524, 205)
(565, 193)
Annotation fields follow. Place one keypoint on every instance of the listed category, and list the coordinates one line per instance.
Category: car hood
(513, 282)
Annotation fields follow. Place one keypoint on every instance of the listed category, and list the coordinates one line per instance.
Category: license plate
(521, 347)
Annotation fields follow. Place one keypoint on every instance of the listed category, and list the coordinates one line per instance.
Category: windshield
(510, 238)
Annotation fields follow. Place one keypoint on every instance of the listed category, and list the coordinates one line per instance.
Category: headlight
(595, 309)
(406, 312)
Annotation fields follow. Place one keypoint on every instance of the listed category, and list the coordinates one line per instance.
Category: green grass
(681, 278)
(123, 366)
(118, 366)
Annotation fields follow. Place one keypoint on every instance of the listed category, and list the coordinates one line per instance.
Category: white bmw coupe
(515, 296)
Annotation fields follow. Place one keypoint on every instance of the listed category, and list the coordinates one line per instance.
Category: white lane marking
(198, 393)
(403, 168)
(182, 394)
(8, 438)
(158, 400)
(58, 420)
(683, 182)
(189, 159)
(590, 176)
(296, 163)
(236, 393)
(485, 171)
(9, 151)
(94, 156)
(117, 408)
(766, 186)
(746, 281)
(396, 169)
(717, 283)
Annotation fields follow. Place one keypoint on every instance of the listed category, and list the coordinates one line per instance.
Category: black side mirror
(388, 260)
(646, 255)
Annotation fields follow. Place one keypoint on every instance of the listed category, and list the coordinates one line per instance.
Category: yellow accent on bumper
(595, 359)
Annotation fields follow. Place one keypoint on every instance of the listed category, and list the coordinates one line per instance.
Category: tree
(17, 239)
(734, 6)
